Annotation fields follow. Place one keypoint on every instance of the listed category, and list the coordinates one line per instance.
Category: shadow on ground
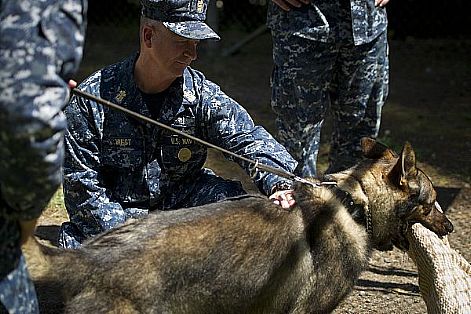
(446, 196)
(48, 233)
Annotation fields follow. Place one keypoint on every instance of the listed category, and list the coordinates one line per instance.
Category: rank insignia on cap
(184, 154)
(200, 6)
(121, 95)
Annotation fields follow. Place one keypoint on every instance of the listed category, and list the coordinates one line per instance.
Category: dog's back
(244, 255)
(248, 255)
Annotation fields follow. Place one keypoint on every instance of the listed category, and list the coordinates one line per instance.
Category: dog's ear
(375, 150)
(405, 171)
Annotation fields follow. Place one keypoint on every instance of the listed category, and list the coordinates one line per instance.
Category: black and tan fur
(247, 255)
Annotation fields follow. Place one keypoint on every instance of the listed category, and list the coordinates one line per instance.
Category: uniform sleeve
(40, 47)
(231, 127)
(89, 204)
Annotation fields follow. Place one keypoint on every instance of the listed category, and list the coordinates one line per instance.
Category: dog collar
(359, 212)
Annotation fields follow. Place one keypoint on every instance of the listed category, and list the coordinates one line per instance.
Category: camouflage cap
(183, 17)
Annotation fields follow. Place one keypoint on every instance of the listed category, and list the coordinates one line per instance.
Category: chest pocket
(122, 152)
(122, 145)
(122, 169)
(180, 156)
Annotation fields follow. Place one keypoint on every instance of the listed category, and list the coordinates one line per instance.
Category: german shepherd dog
(248, 255)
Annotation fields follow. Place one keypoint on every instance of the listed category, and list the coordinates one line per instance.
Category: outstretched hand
(288, 4)
(283, 198)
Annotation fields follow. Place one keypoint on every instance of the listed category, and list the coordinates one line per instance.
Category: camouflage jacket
(325, 20)
(117, 167)
(40, 47)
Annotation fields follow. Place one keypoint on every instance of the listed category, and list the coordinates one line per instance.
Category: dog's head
(411, 195)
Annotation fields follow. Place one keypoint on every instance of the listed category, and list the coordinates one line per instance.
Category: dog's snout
(434, 220)
(438, 223)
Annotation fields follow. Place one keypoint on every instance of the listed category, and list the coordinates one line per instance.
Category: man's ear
(147, 33)
(375, 150)
(404, 172)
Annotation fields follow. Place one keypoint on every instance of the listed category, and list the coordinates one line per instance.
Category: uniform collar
(181, 91)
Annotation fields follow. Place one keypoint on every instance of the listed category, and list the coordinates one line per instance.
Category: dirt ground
(429, 105)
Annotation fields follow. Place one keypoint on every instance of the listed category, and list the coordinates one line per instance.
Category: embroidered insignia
(121, 95)
(123, 142)
(184, 154)
(200, 6)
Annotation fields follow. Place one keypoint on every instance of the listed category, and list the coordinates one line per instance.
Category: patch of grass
(57, 201)
(55, 212)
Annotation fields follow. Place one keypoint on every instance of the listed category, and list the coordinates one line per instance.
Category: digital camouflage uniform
(328, 55)
(117, 167)
(40, 46)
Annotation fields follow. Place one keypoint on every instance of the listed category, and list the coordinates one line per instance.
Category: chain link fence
(113, 26)
(408, 18)
(243, 14)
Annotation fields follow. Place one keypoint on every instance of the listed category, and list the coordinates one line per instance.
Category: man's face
(172, 53)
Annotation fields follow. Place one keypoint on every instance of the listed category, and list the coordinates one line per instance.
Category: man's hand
(283, 198)
(27, 229)
(381, 3)
(72, 84)
(288, 4)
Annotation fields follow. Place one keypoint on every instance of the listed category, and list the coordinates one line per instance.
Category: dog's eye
(415, 197)
(426, 209)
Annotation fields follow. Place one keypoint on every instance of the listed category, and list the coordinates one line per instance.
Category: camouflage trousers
(206, 188)
(17, 294)
(309, 78)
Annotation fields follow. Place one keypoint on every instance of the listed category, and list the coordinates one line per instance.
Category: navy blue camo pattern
(117, 167)
(40, 47)
(329, 56)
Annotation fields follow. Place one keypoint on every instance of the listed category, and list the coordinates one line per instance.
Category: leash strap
(256, 165)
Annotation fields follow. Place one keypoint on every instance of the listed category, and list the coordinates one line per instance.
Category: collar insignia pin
(200, 6)
(121, 95)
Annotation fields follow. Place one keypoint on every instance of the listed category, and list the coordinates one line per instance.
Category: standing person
(40, 46)
(328, 54)
(117, 167)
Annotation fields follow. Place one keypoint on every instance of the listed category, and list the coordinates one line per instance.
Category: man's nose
(191, 51)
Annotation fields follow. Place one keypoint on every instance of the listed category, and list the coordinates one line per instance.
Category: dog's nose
(444, 228)
(448, 226)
